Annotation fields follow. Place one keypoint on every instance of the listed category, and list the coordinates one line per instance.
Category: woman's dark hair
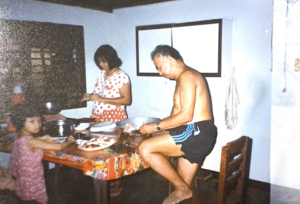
(20, 112)
(109, 54)
(166, 50)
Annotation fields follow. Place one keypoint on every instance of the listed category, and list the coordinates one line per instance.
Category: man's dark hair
(20, 112)
(166, 50)
(109, 54)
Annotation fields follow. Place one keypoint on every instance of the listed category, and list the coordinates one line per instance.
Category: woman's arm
(124, 99)
(39, 144)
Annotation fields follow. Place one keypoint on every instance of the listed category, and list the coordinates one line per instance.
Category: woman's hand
(92, 97)
(96, 97)
(86, 97)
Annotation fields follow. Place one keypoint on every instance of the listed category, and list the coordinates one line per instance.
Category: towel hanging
(231, 102)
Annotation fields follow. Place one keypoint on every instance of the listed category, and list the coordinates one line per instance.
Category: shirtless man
(192, 133)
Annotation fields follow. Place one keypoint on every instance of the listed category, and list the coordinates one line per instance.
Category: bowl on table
(59, 128)
(136, 122)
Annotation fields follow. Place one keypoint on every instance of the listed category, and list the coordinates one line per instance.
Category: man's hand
(148, 128)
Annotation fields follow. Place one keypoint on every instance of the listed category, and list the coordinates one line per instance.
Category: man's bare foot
(178, 195)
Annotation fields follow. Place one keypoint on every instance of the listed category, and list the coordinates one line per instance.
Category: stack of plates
(82, 126)
(103, 126)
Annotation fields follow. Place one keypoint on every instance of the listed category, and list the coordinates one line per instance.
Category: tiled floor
(146, 187)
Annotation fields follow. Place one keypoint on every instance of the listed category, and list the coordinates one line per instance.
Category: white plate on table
(103, 126)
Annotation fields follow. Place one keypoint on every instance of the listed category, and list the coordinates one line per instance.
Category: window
(46, 59)
(204, 45)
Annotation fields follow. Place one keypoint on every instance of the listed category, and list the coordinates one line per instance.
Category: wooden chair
(234, 172)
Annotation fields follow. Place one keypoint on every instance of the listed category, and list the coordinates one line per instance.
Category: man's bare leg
(153, 151)
(187, 170)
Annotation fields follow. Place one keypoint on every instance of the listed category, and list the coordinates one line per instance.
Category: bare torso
(194, 81)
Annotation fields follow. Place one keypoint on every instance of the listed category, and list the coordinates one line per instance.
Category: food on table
(129, 127)
(96, 143)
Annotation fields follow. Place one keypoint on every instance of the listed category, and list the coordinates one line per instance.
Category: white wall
(285, 151)
(251, 55)
(152, 96)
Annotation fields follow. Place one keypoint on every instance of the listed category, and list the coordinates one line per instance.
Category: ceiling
(104, 5)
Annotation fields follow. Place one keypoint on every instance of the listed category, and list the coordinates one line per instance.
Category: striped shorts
(197, 140)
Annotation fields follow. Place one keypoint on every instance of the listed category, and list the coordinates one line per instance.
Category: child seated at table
(26, 158)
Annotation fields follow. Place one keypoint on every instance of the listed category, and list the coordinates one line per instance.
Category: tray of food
(95, 143)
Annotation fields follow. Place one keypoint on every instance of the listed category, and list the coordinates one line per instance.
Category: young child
(27, 153)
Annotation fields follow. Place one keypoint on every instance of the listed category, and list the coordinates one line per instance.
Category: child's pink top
(27, 168)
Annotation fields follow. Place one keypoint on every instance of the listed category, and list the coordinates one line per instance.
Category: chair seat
(233, 176)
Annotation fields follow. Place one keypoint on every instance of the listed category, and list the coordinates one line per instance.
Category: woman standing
(112, 92)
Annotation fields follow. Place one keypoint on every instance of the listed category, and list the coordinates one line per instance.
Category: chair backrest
(234, 169)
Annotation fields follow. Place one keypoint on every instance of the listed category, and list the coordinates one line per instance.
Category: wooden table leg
(100, 188)
(56, 175)
(46, 168)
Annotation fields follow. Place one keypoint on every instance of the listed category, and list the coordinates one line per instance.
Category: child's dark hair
(20, 112)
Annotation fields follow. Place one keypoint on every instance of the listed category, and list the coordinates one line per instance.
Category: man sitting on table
(192, 133)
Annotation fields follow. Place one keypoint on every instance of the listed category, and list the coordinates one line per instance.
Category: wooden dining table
(118, 160)
(113, 162)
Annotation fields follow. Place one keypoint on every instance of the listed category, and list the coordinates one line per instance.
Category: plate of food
(96, 143)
